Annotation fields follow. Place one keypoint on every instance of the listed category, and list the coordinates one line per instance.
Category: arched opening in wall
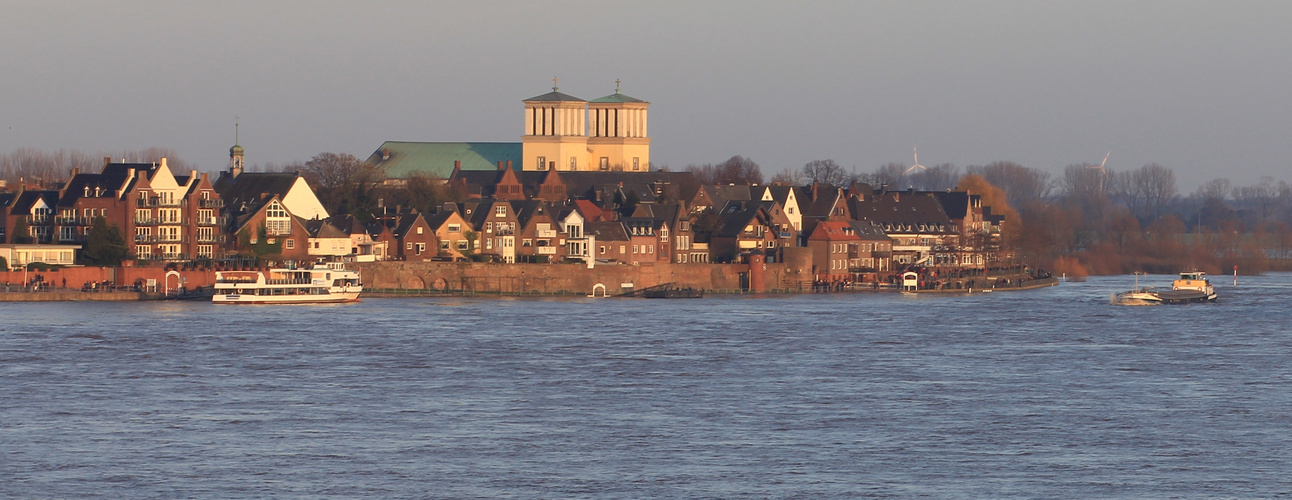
(440, 285)
(596, 287)
(416, 283)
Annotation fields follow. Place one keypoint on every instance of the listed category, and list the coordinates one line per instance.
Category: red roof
(833, 230)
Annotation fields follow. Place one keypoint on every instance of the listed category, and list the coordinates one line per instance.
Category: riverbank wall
(555, 279)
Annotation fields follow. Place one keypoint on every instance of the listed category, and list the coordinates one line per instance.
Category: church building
(561, 132)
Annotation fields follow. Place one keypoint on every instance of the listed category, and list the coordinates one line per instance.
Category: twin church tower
(563, 132)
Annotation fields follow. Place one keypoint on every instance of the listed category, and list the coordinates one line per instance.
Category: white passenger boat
(320, 284)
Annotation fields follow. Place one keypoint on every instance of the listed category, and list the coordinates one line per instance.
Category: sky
(1199, 87)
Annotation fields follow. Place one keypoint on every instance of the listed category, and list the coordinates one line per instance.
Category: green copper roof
(617, 97)
(402, 159)
(555, 96)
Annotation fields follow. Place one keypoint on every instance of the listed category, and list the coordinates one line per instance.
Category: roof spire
(554, 84)
(616, 85)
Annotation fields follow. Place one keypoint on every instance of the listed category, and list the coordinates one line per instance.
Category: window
(408, 246)
(636, 163)
(605, 163)
(500, 210)
(635, 249)
(455, 228)
(205, 251)
(144, 251)
(542, 163)
(603, 249)
(462, 244)
(444, 245)
(574, 163)
(421, 247)
(289, 244)
(419, 230)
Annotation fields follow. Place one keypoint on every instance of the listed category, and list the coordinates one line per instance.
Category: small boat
(672, 292)
(318, 285)
(1191, 286)
(1137, 296)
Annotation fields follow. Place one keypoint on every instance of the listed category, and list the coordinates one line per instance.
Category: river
(1049, 393)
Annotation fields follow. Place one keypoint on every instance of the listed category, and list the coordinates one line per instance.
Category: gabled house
(326, 240)
(414, 237)
(835, 252)
(540, 237)
(496, 224)
(451, 233)
(743, 229)
(570, 221)
(33, 209)
(270, 231)
(612, 243)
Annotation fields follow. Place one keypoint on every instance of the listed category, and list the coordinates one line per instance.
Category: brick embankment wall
(73, 296)
(565, 278)
(79, 277)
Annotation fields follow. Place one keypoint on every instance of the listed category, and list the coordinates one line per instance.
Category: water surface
(1038, 394)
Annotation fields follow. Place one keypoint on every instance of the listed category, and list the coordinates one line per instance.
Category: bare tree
(1218, 188)
(344, 184)
(1259, 198)
(825, 172)
(739, 170)
(1022, 185)
(37, 166)
(1146, 191)
(936, 178)
(891, 174)
(789, 177)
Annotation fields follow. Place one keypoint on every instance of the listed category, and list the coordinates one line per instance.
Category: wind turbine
(1102, 173)
(917, 163)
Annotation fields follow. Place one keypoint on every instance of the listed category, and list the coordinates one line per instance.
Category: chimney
(205, 177)
(385, 153)
(508, 164)
(163, 162)
(76, 171)
(500, 165)
(106, 160)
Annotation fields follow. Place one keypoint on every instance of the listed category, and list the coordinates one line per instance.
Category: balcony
(147, 221)
(210, 238)
(169, 238)
(212, 221)
(75, 221)
(157, 201)
(210, 203)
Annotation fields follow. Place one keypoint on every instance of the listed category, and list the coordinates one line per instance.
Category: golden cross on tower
(554, 84)
(616, 85)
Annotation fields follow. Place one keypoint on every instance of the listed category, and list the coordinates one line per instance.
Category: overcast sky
(1204, 88)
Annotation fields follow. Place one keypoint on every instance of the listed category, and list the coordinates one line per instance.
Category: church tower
(555, 132)
(235, 155)
(618, 140)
